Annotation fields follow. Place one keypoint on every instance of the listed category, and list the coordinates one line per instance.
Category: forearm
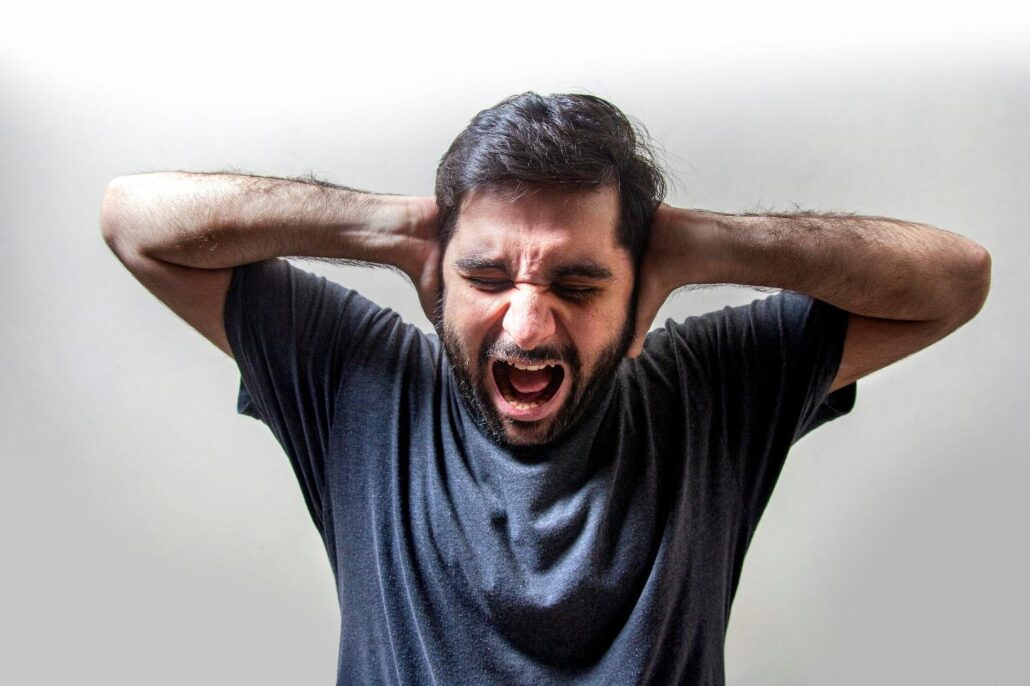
(223, 220)
(871, 266)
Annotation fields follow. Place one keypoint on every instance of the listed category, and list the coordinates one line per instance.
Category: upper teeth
(531, 367)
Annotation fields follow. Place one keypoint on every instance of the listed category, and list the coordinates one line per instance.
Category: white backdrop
(152, 535)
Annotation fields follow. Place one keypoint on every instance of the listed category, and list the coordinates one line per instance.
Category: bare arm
(906, 285)
(180, 234)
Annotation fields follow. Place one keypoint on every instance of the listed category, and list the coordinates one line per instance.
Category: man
(544, 492)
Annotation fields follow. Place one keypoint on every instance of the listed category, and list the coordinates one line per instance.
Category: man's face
(537, 308)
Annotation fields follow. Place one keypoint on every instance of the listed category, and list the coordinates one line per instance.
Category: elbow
(975, 282)
(112, 210)
(982, 283)
(121, 223)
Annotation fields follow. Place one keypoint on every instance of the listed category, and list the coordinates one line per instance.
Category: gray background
(152, 535)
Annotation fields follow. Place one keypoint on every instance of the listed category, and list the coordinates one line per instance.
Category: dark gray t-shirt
(610, 557)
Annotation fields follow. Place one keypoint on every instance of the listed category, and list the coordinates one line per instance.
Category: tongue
(526, 381)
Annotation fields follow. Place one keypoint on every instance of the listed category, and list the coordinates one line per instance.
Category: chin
(525, 434)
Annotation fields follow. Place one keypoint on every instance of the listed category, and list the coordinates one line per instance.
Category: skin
(538, 279)
(905, 285)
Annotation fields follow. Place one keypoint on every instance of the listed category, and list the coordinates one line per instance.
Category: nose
(529, 320)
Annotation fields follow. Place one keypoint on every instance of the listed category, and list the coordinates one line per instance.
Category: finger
(429, 295)
(429, 287)
(640, 335)
(636, 347)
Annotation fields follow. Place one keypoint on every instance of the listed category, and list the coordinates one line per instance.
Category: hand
(424, 266)
(655, 281)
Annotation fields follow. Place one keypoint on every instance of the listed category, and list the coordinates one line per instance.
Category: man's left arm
(905, 285)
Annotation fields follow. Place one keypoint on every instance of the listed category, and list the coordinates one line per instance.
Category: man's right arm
(181, 234)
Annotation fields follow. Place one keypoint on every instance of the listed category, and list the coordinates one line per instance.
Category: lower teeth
(523, 406)
(520, 404)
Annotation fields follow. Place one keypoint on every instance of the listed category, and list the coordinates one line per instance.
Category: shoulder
(779, 318)
(277, 311)
(764, 344)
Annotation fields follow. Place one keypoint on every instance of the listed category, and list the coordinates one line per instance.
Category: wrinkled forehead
(540, 227)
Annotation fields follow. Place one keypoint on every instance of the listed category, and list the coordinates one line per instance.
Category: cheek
(597, 329)
(471, 310)
(466, 318)
(597, 320)
(590, 342)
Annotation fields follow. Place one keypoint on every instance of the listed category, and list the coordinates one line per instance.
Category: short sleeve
(765, 370)
(292, 334)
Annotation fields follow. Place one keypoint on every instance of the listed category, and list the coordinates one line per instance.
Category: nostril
(528, 321)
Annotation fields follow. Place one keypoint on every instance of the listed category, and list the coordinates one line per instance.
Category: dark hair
(562, 141)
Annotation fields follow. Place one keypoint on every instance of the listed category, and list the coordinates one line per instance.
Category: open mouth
(528, 391)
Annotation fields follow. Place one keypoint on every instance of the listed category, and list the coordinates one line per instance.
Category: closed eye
(575, 292)
(568, 291)
(490, 285)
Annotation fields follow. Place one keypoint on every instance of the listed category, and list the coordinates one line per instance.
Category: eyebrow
(477, 263)
(586, 269)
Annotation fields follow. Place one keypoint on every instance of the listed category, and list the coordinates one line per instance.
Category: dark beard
(583, 396)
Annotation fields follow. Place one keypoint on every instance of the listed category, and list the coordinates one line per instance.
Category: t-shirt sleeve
(292, 334)
(765, 370)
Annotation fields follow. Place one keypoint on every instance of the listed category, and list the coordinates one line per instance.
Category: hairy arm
(904, 284)
(180, 234)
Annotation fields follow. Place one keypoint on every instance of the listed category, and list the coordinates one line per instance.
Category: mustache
(507, 350)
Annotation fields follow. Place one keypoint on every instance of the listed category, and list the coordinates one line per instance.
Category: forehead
(539, 228)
